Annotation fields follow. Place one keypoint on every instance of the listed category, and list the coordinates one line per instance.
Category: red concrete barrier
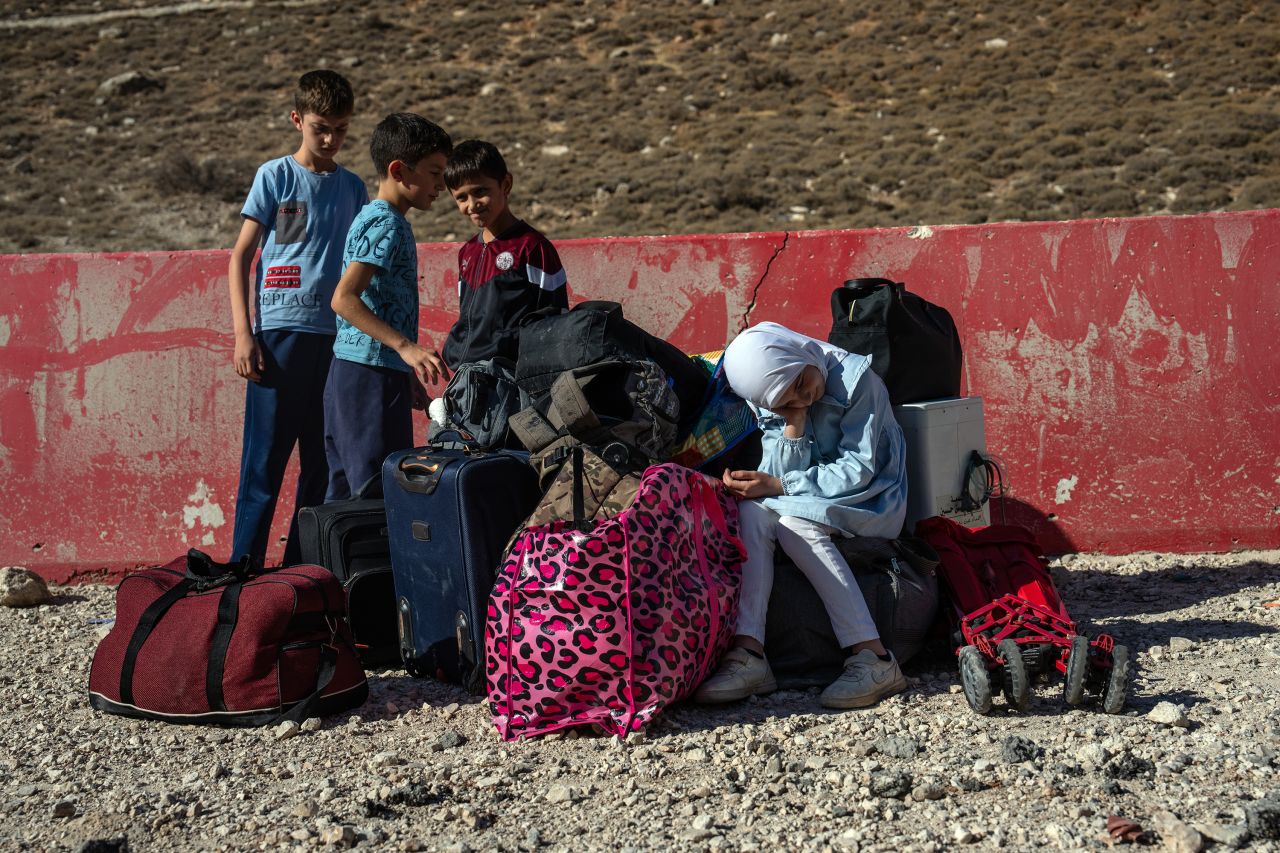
(1126, 366)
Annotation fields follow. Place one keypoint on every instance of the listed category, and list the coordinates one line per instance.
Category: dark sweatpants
(368, 414)
(284, 409)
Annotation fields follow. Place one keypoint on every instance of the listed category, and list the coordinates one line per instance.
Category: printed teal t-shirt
(382, 237)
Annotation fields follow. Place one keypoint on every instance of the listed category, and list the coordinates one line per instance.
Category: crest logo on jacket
(505, 261)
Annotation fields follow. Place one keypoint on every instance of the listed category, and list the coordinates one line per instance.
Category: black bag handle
(579, 499)
(869, 283)
(206, 573)
(844, 297)
(453, 439)
(324, 675)
(146, 624)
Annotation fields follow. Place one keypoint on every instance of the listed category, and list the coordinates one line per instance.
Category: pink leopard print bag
(610, 626)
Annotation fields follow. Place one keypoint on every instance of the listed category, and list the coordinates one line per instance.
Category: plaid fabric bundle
(724, 422)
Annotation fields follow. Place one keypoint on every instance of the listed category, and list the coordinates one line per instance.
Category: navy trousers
(368, 414)
(284, 409)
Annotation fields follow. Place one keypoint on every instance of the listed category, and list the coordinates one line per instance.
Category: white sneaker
(866, 680)
(741, 674)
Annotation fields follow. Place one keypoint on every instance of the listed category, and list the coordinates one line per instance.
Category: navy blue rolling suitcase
(450, 514)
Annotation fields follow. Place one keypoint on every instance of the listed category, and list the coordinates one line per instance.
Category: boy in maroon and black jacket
(506, 271)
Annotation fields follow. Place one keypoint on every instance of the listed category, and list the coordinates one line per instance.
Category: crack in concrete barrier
(755, 291)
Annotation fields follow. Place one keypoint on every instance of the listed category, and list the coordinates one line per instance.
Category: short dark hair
(408, 137)
(472, 159)
(324, 93)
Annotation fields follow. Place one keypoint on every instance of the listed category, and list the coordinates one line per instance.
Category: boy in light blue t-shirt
(298, 212)
(379, 372)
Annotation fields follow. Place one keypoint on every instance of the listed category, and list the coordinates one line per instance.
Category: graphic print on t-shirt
(283, 276)
(291, 222)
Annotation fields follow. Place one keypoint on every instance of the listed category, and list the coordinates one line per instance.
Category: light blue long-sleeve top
(849, 471)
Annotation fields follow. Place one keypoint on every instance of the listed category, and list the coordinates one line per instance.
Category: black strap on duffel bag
(913, 343)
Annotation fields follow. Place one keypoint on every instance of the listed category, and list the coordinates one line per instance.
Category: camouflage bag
(586, 489)
(597, 430)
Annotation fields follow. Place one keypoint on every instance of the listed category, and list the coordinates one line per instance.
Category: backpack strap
(569, 411)
(532, 430)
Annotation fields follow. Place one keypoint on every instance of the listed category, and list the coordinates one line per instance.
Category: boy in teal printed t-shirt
(297, 212)
(379, 372)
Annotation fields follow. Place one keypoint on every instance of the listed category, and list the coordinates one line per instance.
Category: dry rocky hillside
(137, 125)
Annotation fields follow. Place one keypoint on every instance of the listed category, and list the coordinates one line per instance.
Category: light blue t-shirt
(382, 237)
(305, 216)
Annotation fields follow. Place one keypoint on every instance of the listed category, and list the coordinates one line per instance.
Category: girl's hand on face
(794, 416)
(751, 484)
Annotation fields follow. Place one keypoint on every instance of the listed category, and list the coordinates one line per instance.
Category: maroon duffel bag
(203, 642)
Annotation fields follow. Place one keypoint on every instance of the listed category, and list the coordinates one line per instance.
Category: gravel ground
(420, 768)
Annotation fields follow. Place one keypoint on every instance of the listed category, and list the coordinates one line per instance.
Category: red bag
(979, 566)
(202, 642)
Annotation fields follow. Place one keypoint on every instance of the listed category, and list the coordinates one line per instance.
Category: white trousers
(810, 547)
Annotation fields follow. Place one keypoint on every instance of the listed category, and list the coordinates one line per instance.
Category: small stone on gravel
(1169, 714)
(559, 794)
(1177, 836)
(1016, 749)
(451, 739)
(286, 730)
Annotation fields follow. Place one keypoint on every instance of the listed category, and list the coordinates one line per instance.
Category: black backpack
(552, 342)
(913, 344)
(480, 398)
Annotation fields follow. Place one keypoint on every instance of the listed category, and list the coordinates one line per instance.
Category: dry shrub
(176, 172)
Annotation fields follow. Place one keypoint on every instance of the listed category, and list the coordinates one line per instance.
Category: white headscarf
(763, 361)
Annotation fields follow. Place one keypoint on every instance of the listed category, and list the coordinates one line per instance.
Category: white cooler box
(941, 435)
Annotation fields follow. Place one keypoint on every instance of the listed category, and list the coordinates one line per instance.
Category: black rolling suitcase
(450, 514)
(349, 538)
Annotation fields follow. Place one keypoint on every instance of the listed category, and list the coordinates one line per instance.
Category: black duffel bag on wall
(913, 344)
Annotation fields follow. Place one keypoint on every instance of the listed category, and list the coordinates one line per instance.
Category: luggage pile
(557, 546)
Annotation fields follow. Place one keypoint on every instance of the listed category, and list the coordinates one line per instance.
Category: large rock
(21, 587)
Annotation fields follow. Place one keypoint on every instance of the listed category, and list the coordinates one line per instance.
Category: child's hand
(794, 416)
(248, 359)
(751, 484)
(425, 363)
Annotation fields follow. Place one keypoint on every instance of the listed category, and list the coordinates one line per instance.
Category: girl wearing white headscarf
(833, 464)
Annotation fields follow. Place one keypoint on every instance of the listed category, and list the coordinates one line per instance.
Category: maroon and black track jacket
(498, 284)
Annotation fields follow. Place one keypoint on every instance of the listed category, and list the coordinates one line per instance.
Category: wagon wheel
(1116, 691)
(1017, 684)
(975, 680)
(1077, 669)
